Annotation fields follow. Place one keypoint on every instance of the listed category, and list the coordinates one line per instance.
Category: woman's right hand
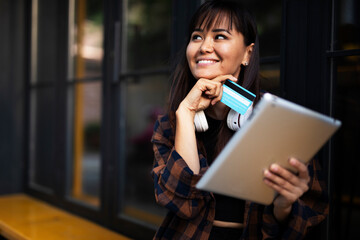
(205, 92)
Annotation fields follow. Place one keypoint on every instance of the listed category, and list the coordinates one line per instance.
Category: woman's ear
(247, 55)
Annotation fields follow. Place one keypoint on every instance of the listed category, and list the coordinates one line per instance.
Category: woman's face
(217, 51)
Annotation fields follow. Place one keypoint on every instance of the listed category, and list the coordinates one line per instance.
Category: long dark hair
(212, 13)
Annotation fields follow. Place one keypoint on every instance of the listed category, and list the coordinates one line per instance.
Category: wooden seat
(23, 217)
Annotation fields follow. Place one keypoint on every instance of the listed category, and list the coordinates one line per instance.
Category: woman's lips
(204, 62)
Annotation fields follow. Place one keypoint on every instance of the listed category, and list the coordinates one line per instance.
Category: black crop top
(226, 208)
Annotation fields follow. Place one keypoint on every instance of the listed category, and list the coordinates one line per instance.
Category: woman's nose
(207, 45)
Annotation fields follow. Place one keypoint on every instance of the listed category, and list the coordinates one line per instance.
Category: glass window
(85, 99)
(145, 98)
(42, 138)
(270, 78)
(86, 142)
(346, 147)
(349, 24)
(268, 19)
(147, 33)
(44, 41)
(268, 16)
(145, 46)
(44, 45)
(86, 39)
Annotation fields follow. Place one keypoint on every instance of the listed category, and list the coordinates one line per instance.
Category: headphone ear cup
(244, 117)
(233, 120)
(200, 122)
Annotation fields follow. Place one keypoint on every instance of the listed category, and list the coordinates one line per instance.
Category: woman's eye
(196, 37)
(220, 37)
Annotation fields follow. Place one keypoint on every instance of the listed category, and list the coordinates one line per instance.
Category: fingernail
(232, 78)
(267, 173)
(274, 167)
(293, 161)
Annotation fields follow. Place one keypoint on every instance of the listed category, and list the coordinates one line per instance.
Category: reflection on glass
(270, 78)
(346, 147)
(145, 101)
(268, 19)
(86, 38)
(86, 54)
(41, 138)
(86, 143)
(349, 25)
(148, 33)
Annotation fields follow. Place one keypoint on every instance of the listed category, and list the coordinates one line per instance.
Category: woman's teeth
(206, 61)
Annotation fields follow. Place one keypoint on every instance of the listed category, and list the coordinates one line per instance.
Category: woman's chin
(207, 76)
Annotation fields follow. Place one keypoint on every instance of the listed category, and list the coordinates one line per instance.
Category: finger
(211, 92)
(218, 98)
(223, 78)
(279, 181)
(215, 90)
(218, 89)
(288, 180)
(202, 85)
(284, 173)
(301, 167)
(206, 86)
(290, 196)
(282, 185)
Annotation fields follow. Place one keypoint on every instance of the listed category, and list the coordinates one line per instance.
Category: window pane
(44, 41)
(147, 33)
(270, 78)
(145, 99)
(346, 148)
(42, 138)
(349, 24)
(86, 115)
(86, 39)
(268, 19)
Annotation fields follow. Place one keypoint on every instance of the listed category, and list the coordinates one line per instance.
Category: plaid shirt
(191, 211)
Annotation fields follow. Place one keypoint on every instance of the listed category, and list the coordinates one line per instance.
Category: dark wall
(305, 40)
(12, 73)
(304, 67)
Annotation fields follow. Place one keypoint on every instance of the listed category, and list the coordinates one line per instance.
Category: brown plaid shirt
(191, 211)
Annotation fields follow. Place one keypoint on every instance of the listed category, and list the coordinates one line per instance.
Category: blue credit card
(237, 97)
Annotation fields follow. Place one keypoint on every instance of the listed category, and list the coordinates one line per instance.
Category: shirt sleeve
(309, 211)
(174, 181)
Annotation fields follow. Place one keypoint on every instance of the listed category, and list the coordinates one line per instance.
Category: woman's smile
(206, 62)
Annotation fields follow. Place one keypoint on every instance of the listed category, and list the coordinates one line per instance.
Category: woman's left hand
(289, 186)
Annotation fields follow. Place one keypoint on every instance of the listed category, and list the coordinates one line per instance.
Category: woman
(222, 45)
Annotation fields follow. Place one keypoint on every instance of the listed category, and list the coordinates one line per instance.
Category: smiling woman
(222, 44)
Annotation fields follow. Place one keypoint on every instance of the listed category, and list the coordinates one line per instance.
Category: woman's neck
(218, 111)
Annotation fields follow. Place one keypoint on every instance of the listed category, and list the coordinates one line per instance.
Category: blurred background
(82, 82)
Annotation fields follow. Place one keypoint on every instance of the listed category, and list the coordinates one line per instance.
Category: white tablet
(276, 130)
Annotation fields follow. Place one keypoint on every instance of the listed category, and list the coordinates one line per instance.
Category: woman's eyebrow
(214, 30)
(221, 30)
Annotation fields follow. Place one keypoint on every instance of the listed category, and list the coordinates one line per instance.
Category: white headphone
(234, 120)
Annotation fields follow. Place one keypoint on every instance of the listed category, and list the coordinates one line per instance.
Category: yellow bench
(24, 218)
